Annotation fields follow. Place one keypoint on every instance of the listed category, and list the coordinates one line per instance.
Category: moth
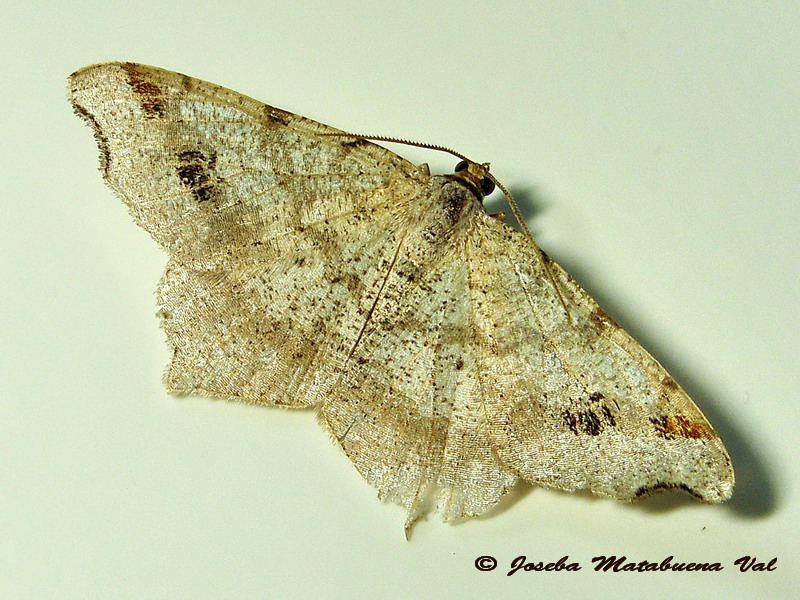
(444, 352)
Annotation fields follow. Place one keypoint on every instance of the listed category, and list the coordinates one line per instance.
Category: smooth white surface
(654, 148)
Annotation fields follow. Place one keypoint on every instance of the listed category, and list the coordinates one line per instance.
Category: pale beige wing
(275, 325)
(308, 269)
(279, 237)
(409, 410)
(205, 169)
(574, 402)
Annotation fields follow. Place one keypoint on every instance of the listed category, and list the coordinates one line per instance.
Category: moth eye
(463, 165)
(487, 186)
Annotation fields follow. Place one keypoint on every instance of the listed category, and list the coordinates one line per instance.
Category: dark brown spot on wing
(609, 416)
(671, 426)
(590, 416)
(355, 143)
(277, 116)
(596, 396)
(194, 172)
(646, 490)
(102, 141)
(589, 421)
(350, 280)
(668, 384)
(600, 319)
(151, 97)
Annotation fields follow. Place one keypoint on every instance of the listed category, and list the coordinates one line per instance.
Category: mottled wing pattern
(411, 413)
(443, 350)
(574, 402)
(278, 236)
(276, 326)
(204, 169)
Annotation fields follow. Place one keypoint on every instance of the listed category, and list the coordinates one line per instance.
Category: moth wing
(296, 277)
(574, 402)
(274, 325)
(203, 168)
(279, 236)
(409, 410)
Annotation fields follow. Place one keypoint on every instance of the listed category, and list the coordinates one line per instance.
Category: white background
(654, 148)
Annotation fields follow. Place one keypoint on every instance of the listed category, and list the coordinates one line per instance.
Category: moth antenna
(381, 138)
(539, 254)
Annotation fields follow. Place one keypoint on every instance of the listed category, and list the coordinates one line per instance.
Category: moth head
(477, 175)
